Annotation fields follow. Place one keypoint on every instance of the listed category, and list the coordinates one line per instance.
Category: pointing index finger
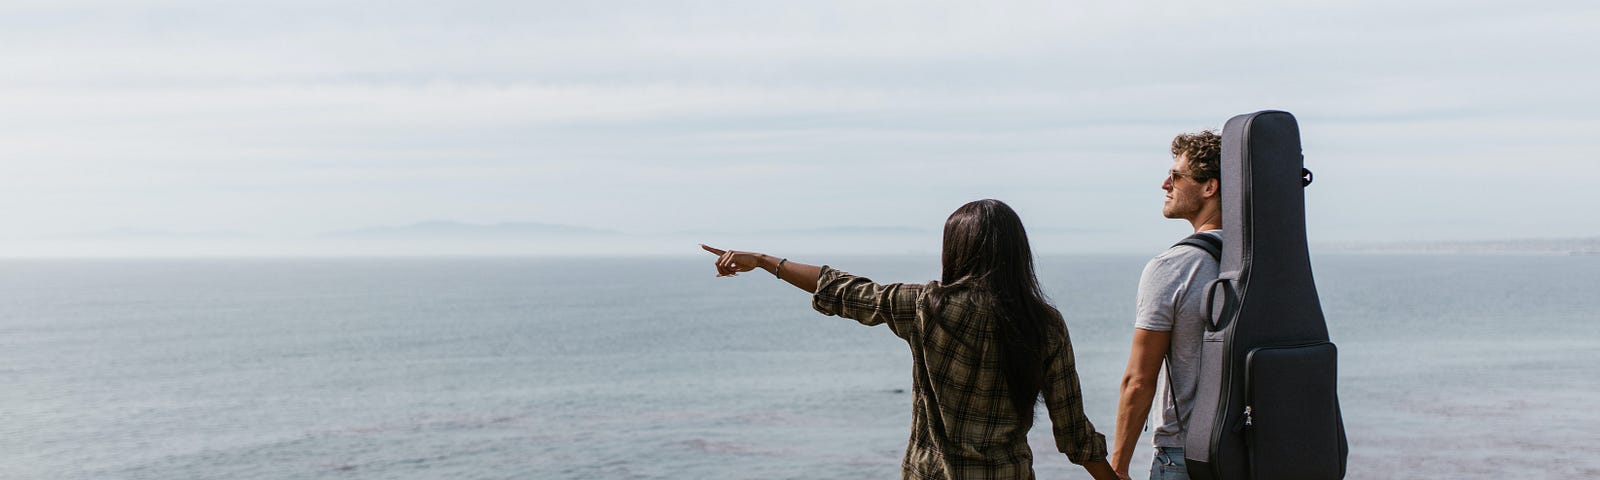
(712, 250)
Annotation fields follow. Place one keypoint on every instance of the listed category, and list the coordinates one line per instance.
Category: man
(1168, 320)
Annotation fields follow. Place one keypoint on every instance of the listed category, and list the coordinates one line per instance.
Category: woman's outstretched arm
(800, 275)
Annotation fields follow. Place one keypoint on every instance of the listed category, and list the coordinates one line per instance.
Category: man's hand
(730, 263)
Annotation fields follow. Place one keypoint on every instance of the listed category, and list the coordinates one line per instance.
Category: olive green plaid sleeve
(858, 298)
(1075, 434)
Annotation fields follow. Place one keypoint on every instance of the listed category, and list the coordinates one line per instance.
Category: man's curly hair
(1204, 149)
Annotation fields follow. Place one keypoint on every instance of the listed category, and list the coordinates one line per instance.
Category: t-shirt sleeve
(1160, 289)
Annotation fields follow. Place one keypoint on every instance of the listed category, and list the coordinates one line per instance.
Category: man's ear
(1212, 187)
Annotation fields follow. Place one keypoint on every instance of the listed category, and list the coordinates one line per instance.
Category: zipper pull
(1247, 415)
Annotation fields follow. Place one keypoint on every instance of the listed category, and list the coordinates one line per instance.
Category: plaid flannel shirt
(963, 425)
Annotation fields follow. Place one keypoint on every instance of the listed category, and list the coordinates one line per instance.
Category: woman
(985, 344)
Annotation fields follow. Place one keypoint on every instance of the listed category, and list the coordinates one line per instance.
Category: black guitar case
(1267, 405)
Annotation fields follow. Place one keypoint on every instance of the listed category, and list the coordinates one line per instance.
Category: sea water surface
(1451, 367)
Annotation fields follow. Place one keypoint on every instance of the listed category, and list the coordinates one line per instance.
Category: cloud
(290, 118)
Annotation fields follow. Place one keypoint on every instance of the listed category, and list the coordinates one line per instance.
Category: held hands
(1101, 470)
(730, 263)
(1122, 474)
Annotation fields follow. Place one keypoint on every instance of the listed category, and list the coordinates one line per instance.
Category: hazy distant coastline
(1534, 246)
(453, 229)
(450, 238)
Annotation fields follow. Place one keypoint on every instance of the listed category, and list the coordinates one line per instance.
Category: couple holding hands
(986, 344)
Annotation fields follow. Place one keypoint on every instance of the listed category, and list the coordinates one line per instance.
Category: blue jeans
(1168, 464)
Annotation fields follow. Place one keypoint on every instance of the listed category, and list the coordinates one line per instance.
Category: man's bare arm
(1138, 390)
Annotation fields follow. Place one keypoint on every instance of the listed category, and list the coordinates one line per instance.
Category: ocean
(1451, 367)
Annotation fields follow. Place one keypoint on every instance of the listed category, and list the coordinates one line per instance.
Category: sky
(243, 128)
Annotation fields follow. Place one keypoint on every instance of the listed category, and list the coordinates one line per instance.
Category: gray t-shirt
(1171, 292)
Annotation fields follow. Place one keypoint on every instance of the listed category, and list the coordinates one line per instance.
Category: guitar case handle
(1218, 319)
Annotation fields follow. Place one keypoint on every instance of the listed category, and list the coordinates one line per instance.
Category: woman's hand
(730, 263)
(1101, 470)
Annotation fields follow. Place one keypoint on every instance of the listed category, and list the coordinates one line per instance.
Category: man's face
(1183, 193)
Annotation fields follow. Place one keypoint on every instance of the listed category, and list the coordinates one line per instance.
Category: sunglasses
(1172, 175)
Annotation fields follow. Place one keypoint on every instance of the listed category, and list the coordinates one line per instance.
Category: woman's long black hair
(986, 253)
